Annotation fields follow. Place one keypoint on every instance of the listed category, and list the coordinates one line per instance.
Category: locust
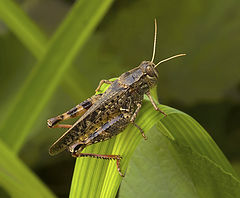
(105, 115)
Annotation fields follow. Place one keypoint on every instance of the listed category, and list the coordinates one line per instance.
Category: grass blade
(17, 20)
(14, 17)
(17, 179)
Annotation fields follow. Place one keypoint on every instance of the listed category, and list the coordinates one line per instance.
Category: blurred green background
(205, 84)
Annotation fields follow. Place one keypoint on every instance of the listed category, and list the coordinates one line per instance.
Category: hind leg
(109, 157)
(76, 111)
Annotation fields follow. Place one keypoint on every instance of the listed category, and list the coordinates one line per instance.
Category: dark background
(205, 83)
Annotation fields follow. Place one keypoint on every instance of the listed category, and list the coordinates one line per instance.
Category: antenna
(167, 59)
(154, 40)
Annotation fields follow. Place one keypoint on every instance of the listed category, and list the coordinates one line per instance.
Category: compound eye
(150, 72)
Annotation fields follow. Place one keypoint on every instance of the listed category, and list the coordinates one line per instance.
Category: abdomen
(111, 128)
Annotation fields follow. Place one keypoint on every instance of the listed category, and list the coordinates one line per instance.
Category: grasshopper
(106, 115)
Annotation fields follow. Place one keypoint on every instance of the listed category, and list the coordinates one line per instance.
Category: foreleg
(101, 83)
(154, 104)
(132, 119)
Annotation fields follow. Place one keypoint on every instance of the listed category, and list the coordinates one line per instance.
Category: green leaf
(17, 179)
(100, 178)
(47, 74)
(187, 165)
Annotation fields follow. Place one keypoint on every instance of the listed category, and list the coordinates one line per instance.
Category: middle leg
(141, 130)
(132, 120)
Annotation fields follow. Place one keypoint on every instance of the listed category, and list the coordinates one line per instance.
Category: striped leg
(76, 111)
